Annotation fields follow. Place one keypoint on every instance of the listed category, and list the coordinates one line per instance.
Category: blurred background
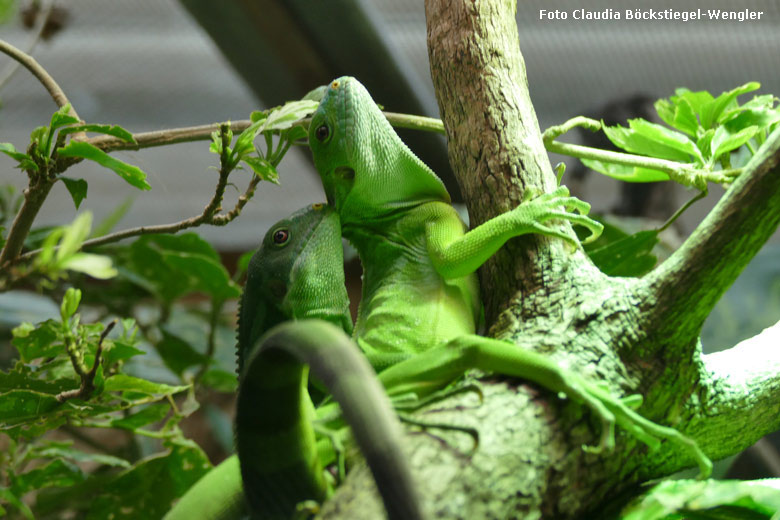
(156, 64)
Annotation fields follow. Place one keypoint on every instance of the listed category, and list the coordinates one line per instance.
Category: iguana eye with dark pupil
(281, 236)
(322, 132)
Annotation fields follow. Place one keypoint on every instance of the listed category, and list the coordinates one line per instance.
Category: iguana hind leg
(442, 364)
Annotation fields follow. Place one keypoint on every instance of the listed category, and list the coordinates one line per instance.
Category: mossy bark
(638, 336)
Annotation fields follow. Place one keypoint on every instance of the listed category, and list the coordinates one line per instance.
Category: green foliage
(705, 132)
(617, 253)
(60, 251)
(46, 149)
(278, 120)
(708, 500)
(40, 393)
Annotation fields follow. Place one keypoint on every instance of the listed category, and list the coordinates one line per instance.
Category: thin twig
(87, 378)
(40, 73)
(40, 25)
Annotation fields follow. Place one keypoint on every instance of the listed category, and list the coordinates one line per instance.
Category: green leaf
(96, 266)
(70, 303)
(36, 342)
(113, 218)
(216, 143)
(220, 380)
(119, 350)
(151, 414)
(262, 168)
(711, 112)
(665, 110)
(685, 118)
(132, 174)
(740, 119)
(178, 354)
(77, 189)
(22, 377)
(62, 118)
(64, 450)
(288, 114)
(149, 489)
(11, 151)
(258, 115)
(704, 143)
(245, 141)
(25, 405)
(625, 173)
(666, 137)
(697, 99)
(174, 265)
(125, 383)
(630, 140)
(73, 236)
(629, 256)
(723, 141)
(57, 473)
(710, 499)
(113, 130)
(7, 496)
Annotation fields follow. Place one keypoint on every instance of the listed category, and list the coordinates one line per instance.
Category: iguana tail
(275, 440)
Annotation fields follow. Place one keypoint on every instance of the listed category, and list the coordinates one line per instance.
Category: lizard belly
(405, 317)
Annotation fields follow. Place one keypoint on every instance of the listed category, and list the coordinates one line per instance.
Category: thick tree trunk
(542, 295)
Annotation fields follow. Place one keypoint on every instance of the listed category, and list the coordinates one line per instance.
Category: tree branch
(684, 289)
(40, 73)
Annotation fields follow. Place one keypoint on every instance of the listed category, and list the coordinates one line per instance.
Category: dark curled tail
(336, 361)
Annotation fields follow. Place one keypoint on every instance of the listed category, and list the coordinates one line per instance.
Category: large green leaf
(57, 473)
(723, 141)
(710, 112)
(150, 414)
(174, 265)
(664, 136)
(37, 342)
(149, 489)
(25, 405)
(178, 354)
(628, 256)
(632, 141)
(132, 174)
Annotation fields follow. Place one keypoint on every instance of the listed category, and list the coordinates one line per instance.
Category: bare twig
(39, 72)
(87, 377)
(40, 24)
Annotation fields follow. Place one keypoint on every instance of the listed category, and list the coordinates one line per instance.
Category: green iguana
(420, 306)
(298, 274)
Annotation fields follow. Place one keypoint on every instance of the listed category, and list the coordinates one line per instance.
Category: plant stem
(40, 73)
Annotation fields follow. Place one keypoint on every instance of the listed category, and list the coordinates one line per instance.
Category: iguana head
(298, 272)
(366, 170)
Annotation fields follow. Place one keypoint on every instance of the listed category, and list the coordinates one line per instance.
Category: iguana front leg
(455, 254)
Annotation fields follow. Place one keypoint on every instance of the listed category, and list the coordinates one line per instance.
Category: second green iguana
(298, 275)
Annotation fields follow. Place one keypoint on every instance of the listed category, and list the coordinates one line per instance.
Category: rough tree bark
(636, 335)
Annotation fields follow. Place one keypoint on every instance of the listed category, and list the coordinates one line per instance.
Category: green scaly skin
(298, 274)
(420, 306)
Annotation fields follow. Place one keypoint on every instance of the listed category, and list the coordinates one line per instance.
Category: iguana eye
(281, 236)
(322, 133)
